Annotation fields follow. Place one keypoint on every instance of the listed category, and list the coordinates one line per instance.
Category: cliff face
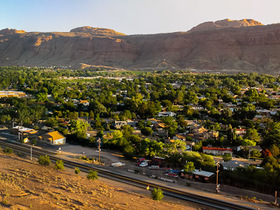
(240, 45)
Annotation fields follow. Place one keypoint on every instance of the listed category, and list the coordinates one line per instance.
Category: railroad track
(206, 201)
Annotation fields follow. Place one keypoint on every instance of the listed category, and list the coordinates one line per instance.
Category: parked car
(153, 167)
(140, 160)
(143, 164)
(175, 175)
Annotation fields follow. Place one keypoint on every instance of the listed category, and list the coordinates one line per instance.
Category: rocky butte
(243, 45)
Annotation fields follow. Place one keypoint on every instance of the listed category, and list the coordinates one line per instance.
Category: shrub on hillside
(92, 175)
(8, 150)
(44, 160)
(59, 165)
(157, 194)
(77, 170)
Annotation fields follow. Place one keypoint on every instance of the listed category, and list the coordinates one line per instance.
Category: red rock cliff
(242, 45)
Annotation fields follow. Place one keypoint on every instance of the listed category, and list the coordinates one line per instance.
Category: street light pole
(217, 179)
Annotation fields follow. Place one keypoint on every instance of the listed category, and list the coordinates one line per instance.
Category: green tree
(274, 150)
(252, 134)
(227, 157)
(171, 125)
(42, 97)
(189, 167)
(5, 118)
(147, 131)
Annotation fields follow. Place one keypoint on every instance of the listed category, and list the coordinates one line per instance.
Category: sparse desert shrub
(92, 175)
(44, 160)
(8, 150)
(77, 170)
(157, 194)
(59, 165)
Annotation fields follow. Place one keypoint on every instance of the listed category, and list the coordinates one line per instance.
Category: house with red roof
(216, 150)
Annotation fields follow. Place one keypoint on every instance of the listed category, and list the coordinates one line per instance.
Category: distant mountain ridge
(97, 31)
(244, 45)
(226, 23)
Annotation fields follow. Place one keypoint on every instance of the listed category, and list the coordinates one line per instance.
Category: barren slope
(27, 185)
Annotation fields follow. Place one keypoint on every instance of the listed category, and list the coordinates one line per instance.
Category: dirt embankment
(27, 185)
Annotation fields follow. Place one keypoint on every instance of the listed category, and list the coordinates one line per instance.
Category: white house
(166, 114)
(216, 150)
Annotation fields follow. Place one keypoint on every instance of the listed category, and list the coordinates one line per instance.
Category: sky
(131, 16)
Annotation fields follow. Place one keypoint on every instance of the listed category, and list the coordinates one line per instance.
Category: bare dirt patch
(27, 185)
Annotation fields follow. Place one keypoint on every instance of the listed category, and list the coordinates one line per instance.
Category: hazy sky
(131, 16)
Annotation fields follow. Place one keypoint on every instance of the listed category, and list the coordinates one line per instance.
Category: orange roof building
(54, 138)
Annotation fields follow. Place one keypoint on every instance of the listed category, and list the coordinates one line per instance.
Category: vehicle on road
(175, 175)
(143, 164)
(153, 167)
(118, 164)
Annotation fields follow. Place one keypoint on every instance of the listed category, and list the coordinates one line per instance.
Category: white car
(118, 164)
(143, 164)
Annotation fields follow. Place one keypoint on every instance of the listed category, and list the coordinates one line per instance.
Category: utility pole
(31, 152)
(99, 149)
(275, 202)
(217, 179)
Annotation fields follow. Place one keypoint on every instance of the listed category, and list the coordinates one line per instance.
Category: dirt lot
(27, 185)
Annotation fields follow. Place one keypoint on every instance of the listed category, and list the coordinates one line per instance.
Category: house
(17, 94)
(153, 120)
(53, 138)
(216, 150)
(24, 130)
(180, 137)
(200, 133)
(119, 124)
(166, 114)
(240, 131)
(233, 164)
(84, 102)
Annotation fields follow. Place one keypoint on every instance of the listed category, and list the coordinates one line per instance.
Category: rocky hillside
(244, 45)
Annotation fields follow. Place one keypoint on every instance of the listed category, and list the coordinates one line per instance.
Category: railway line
(206, 201)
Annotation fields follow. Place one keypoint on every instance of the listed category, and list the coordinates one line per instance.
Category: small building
(216, 150)
(158, 161)
(53, 138)
(199, 175)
